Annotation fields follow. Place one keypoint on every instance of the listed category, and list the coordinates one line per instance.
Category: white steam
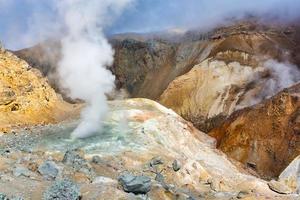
(85, 55)
(280, 75)
(263, 81)
(283, 75)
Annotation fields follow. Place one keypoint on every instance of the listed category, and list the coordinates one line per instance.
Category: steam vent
(149, 100)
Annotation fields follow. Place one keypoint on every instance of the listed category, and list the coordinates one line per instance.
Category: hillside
(149, 66)
(26, 98)
(265, 136)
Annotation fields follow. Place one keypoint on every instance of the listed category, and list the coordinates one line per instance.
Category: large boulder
(135, 184)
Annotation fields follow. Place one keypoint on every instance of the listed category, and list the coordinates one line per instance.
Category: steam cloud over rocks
(85, 55)
(283, 75)
(278, 75)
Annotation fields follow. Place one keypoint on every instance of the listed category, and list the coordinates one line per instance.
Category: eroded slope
(25, 96)
(266, 136)
(246, 65)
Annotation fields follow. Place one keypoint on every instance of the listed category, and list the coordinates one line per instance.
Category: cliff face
(143, 66)
(266, 136)
(245, 66)
(25, 96)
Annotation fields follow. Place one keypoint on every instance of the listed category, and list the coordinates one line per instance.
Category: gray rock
(96, 159)
(156, 161)
(48, 169)
(74, 159)
(3, 197)
(21, 171)
(62, 190)
(135, 184)
(176, 165)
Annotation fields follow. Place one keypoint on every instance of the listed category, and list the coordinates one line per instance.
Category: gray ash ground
(29, 157)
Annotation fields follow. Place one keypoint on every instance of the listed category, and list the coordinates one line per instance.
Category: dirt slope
(26, 98)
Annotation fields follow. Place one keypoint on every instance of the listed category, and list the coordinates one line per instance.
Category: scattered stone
(74, 159)
(48, 169)
(161, 179)
(176, 165)
(279, 187)
(62, 190)
(156, 161)
(3, 197)
(135, 184)
(21, 171)
(96, 159)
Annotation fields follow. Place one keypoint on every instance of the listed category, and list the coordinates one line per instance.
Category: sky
(26, 22)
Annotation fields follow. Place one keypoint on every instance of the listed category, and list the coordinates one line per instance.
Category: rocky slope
(144, 149)
(265, 136)
(143, 66)
(25, 95)
(246, 65)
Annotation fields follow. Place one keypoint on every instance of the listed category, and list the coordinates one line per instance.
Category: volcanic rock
(266, 136)
(21, 171)
(48, 169)
(135, 184)
(64, 190)
(176, 165)
(25, 96)
(151, 130)
(235, 75)
(204, 77)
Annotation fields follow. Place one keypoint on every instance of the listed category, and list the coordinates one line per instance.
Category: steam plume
(85, 55)
(283, 75)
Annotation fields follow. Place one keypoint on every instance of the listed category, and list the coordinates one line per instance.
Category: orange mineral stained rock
(26, 97)
(266, 136)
